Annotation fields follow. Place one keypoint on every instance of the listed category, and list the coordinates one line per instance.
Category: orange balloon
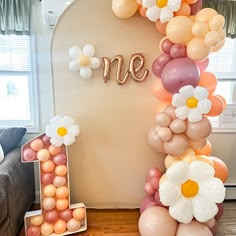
(161, 27)
(142, 11)
(160, 92)
(223, 99)
(221, 169)
(217, 105)
(208, 81)
(191, 1)
(206, 150)
(184, 10)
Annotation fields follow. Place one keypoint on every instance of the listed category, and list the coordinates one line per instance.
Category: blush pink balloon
(153, 171)
(170, 110)
(178, 73)
(197, 144)
(157, 199)
(166, 45)
(220, 211)
(66, 215)
(59, 159)
(155, 142)
(154, 181)
(148, 189)
(51, 216)
(148, 201)
(33, 231)
(29, 154)
(202, 65)
(47, 178)
(177, 145)
(155, 221)
(46, 140)
(178, 126)
(199, 130)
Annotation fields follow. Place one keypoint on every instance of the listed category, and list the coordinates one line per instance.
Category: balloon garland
(186, 199)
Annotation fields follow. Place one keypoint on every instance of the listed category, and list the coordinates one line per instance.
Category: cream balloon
(200, 29)
(124, 8)
(217, 22)
(212, 39)
(205, 14)
(197, 50)
(179, 29)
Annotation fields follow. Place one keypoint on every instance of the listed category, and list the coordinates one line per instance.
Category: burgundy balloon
(159, 63)
(220, 211)
(178, 73)
(197, 6)
(178, 50)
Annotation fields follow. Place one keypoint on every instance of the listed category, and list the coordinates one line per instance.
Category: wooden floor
(125, 222)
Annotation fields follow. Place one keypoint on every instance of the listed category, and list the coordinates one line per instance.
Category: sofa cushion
(1, 154)
(11, 137)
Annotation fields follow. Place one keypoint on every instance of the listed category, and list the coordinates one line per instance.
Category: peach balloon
(184, 10)
(197, 49)
(161, 27)
(208, 80)
(49, 190)
(157, 219)
(43, 154)
(48, 166)
(205, 159)
(142, 11)
(221, 169)
(191, 1)
(205, 14)
(218, 47)
(179, 29)
(62, 192)
(59, 181)
(79, 213)
(54, 150)
(46, 228)
(36, 220)
(217, 22)
(170, 160)
(217, 105)
(200, 29)
(206, 150)
(124, 8)
(73, 225)
(61, 170)
(60, 227)
(160, 92)
(62, 204)
(212, 39)
(194, 228)
(49, 203)
(37, 144)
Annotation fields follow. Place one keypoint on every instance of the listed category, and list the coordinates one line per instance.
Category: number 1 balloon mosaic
(56, 216)
(187, 199)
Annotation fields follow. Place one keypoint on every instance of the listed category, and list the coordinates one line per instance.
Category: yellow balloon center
(62, 131)
(192, 102)
(161, 3)
(84, 60)
(189, 188)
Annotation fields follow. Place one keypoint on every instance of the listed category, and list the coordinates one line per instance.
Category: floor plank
(119, 222)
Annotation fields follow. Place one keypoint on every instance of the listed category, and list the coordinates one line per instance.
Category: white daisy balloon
(191, 103)
(161, 9)
(83, 60)
(191, 190)
(62, 130)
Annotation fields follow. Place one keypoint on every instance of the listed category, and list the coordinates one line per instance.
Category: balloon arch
(187, 199)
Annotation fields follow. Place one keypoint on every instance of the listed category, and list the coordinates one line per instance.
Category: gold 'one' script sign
(136, 63)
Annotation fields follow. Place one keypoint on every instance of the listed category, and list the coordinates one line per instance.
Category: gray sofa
(17, 192)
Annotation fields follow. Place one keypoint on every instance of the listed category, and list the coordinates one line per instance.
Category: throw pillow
(11, 137)
(1, 154)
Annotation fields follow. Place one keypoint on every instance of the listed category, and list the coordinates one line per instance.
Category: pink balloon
(178, 50)
(177, 145)
(153, 171)
(154, 181)
(51, 216)
(220, 211)
(197, 144)
(159, 63)
(148, 201)
(154, 141)
(66, 215)
(47, 178)
(199, 130)
(46, 140)
(148, 189)
(166, 45)
(194, 228)
(157, 199)
(29, 154)
(178, 73)
(170, 110)
(60, 159)
(196, 7)
(157, 221)
(202, 65)
(33, 231)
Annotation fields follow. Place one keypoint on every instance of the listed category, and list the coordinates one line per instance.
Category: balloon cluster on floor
(187, 199)
(56, 216)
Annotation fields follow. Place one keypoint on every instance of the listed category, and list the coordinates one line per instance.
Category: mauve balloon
(159, 63)
(196, 7)
(178, 73)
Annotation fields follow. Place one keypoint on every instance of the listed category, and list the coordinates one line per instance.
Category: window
(223, 65)
(18, 96)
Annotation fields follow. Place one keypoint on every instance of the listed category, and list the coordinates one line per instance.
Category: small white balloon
(74, 65)
(74, 52)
